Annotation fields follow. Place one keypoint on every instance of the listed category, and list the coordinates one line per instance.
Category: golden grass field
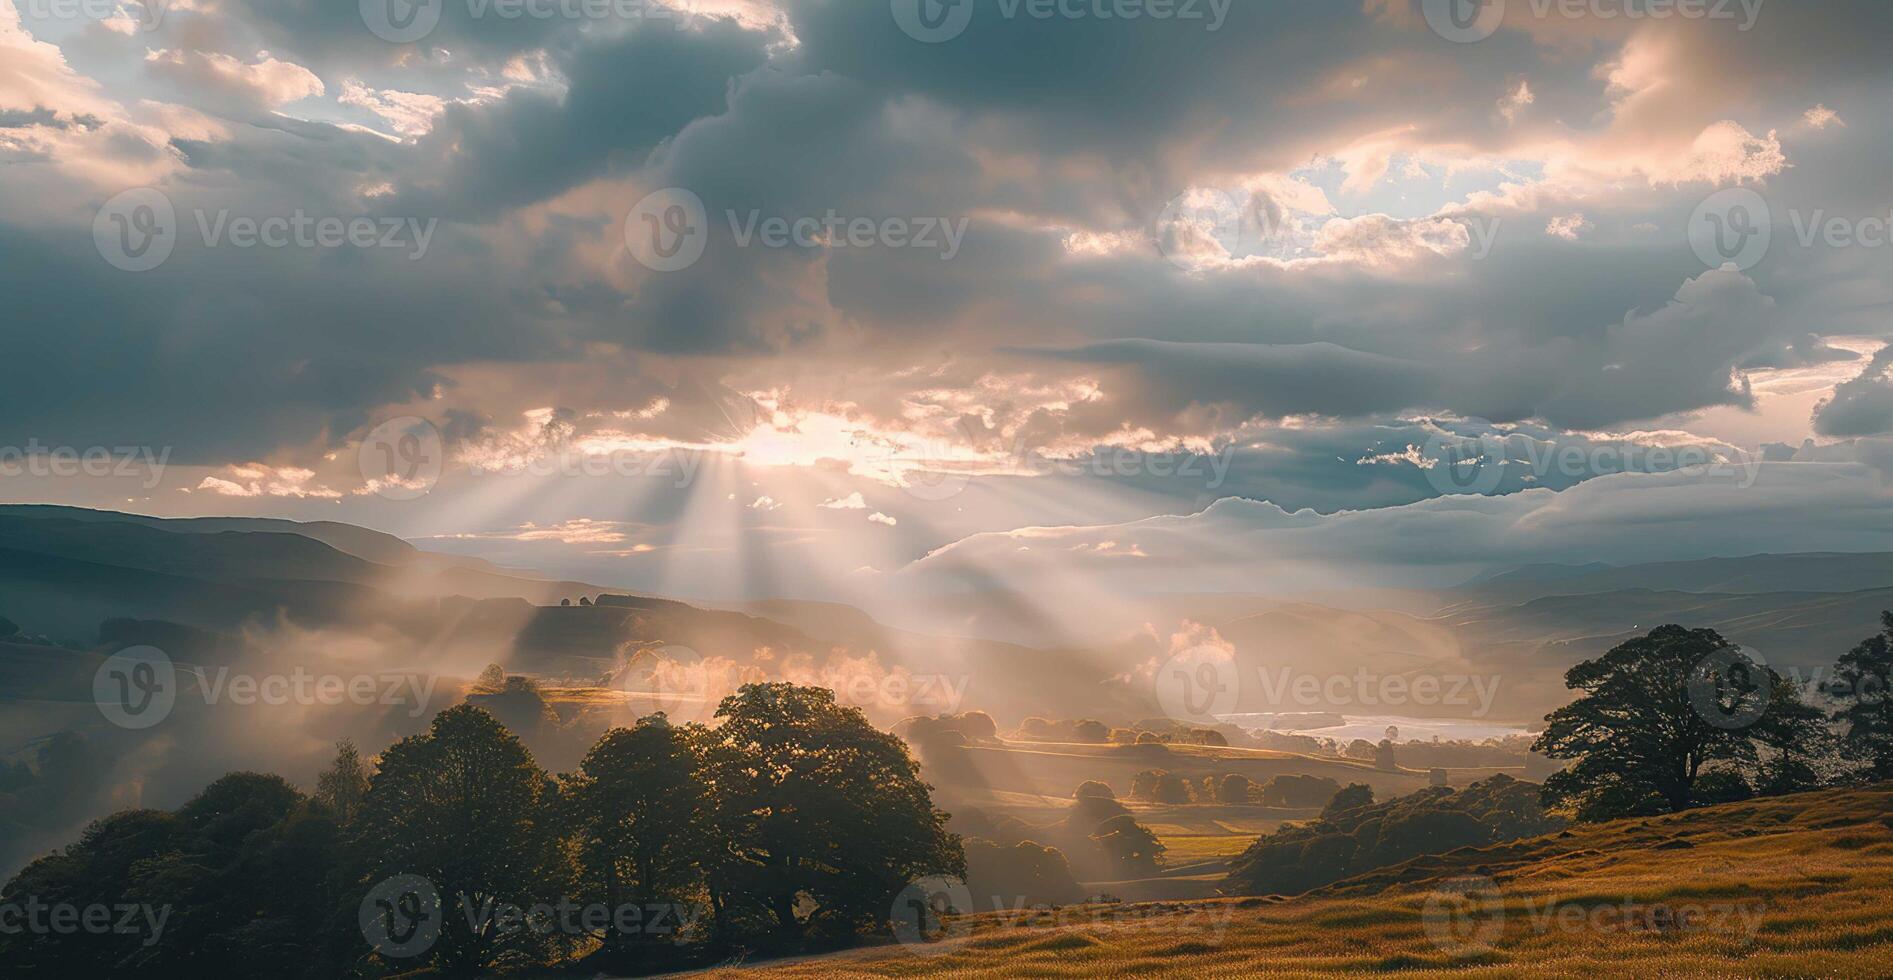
(1797, 886)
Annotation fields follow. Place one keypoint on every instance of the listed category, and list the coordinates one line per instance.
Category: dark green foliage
(1130, 846)
(1355, 839)
(1860, 687)
(464, 806)
(1161, 786)
(1354, 796)
(1089, 811)
(1720, 786)
(1658, 713)
(639, 816)
(815, 801)
(795, 816)
(1018, 876)
(1295, 790)
(342, 787)
(240, 881)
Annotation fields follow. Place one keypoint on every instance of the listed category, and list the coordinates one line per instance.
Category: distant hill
(1812, 572)
(66, 571)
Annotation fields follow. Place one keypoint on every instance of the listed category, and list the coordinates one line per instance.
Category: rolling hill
(1785, 887)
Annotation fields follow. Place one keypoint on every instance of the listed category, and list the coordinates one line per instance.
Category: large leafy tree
(815, 803)
(1861, 689)
(238, 882)
(343, 784)
(1659, 713)
(637, 809)
(464, 806)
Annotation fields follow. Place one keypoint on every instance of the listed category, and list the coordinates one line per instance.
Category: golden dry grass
(1792, 887)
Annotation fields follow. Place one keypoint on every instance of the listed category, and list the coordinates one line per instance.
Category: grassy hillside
(1787, 887)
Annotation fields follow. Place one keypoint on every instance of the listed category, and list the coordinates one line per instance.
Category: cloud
(260, 480)
(409, 113)
(1569, 227)
(263, 82)
(1392, 269)
(1821, 117)
(1863, 406)
(1624, 519)
(852, 501)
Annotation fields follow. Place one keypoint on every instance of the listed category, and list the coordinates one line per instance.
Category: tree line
(792, 825)
(1681, 718)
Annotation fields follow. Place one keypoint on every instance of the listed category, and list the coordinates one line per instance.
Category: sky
(845, 298)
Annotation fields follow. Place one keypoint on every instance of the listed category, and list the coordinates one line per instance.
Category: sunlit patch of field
(1195, 848)
(1790, 887)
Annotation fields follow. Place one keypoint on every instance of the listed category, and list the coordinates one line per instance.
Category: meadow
(1785, 887)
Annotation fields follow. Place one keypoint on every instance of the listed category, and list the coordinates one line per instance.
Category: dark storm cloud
(1258, 379)
(229, 354)
(626, 95)
(1861, 407)
(1033, 130)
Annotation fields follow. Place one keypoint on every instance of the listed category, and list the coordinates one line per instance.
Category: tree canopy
(1658, 712)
